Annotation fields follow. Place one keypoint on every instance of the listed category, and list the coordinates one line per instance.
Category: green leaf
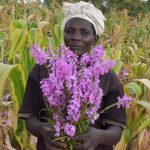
(17, 81)
(18, 84)
(22, 135)
(5, 70)
(1, 35)
(22, 24)
(133, 88)
(18, 41)
(133, 125)
(33, 35)
(144, 125)
(60, 138)
(117, 68)
(27, 61)
(118, 52)
(57, 35)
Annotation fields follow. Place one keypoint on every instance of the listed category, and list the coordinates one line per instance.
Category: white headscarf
(86, 11)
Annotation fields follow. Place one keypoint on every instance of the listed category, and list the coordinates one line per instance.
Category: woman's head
(79, 35)
(82, 25)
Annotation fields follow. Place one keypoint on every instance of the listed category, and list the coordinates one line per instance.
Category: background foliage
(126, 40)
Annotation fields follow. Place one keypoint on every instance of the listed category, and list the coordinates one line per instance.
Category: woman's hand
(43, 130)
(95, 137)
(48, 136)
(89, 140)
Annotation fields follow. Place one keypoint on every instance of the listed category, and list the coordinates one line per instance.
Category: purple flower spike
(124, 101)
(72, 88)
(6, 123)
(39, 55)
(57, 127)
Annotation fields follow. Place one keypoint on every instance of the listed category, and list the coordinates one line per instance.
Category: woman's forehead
(79, 23)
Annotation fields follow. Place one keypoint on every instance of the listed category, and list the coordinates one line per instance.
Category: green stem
(108, 108)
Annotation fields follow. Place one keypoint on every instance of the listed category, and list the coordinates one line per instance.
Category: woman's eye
(85, 33)
(69, 31)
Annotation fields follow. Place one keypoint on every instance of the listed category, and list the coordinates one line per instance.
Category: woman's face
(79, 35)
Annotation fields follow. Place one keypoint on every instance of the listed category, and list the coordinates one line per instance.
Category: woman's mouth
(76, 48)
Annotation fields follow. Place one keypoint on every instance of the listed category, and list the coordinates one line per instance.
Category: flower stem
(103, 111)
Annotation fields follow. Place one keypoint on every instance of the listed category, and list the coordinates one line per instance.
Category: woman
(82, 26)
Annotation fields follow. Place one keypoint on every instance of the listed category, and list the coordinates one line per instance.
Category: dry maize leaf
(30, 17)
(146, 82)
(144, 140)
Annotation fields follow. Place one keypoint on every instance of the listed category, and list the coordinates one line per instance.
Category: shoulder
(109, 82)
(38, 72)
(109, 75)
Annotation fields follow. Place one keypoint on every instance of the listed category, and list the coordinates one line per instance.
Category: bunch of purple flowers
(71, 90)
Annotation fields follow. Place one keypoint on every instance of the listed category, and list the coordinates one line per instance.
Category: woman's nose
(76, 36)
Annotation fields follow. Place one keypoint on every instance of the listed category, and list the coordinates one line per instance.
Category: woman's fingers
(50, 147)
(55, 145)
(50, 143)
(81, 138)
(84, 146)
(48, 136)
(58, 145)
(82, 142)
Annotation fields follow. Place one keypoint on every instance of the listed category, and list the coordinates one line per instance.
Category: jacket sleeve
(114, 115)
